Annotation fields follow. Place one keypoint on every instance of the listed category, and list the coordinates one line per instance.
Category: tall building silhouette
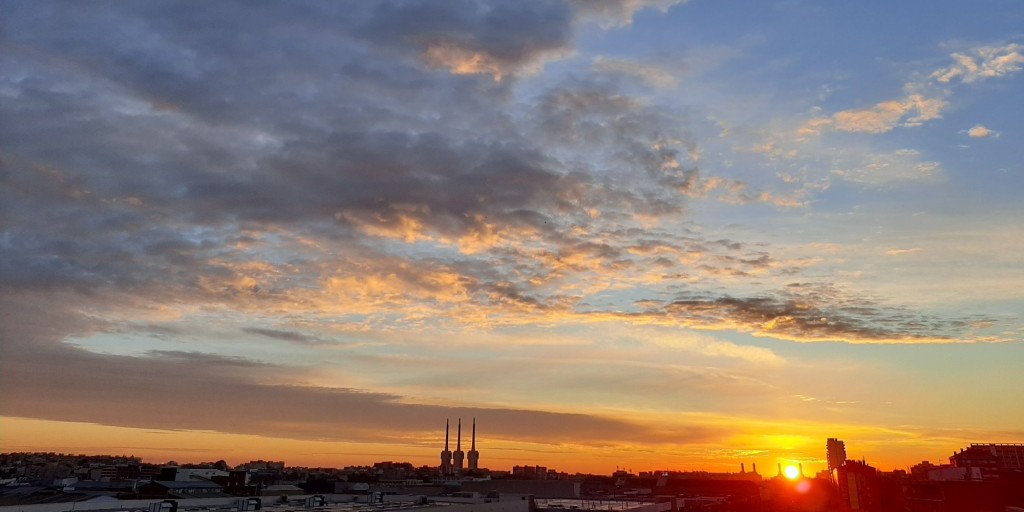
(459, 455)
(474, 456)
(446, 455)
(835, 451)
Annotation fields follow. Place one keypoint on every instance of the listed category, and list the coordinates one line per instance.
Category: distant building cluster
(980, 477)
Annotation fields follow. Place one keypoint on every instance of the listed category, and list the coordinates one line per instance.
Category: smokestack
(743, 468)
(755, 468)
(446, 455)
(474, 456)
(459, 455)
(801, 466)
(780, 469)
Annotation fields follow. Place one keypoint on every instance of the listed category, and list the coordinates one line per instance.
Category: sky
(617, 233)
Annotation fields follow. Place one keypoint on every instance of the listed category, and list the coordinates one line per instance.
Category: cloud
(981, 63)
(617, 13)
(980, 132)
(816, 313)
(915, 108)
(468, 37)
(715, 348)
(901, 252)
(292, 336)
(880, 168)
(883, 117)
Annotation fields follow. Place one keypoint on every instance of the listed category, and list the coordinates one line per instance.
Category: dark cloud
(816, 313)
(625, 136)
(292, 336)
(171, 145)
(617, 12)
(199, 359)
(496, 38)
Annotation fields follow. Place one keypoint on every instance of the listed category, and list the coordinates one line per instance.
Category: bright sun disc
(792, 472)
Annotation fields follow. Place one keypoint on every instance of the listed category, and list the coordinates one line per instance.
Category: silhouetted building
(835, 451)
(957, 496)
(858, 486)
(235, 483)
(993, 460)
(530, 472)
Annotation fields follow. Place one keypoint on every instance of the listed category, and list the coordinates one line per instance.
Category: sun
(792, 472)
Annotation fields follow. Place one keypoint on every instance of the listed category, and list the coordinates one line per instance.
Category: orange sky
(159, 446)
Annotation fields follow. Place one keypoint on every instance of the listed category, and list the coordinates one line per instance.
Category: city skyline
(639, 234)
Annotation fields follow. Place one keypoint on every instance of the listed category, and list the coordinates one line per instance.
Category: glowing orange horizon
(183, 446)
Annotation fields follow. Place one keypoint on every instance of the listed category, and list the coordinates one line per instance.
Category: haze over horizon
(646, 234)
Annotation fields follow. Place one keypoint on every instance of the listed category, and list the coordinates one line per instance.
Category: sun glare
(792, 472)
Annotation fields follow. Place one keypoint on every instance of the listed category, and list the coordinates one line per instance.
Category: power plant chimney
(743, 468)
(474, 456)
(446, 455)
(755, 468)
(459, 455)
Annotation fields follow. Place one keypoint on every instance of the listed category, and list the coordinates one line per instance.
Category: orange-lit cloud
(883, 117)
(981, 63)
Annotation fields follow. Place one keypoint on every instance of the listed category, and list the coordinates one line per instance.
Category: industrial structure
(446, 454)
(474, 456)
(453, 463)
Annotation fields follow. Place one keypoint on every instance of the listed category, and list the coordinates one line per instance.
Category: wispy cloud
(901, 252)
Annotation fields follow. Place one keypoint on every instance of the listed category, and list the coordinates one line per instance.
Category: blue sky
(618, 233)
